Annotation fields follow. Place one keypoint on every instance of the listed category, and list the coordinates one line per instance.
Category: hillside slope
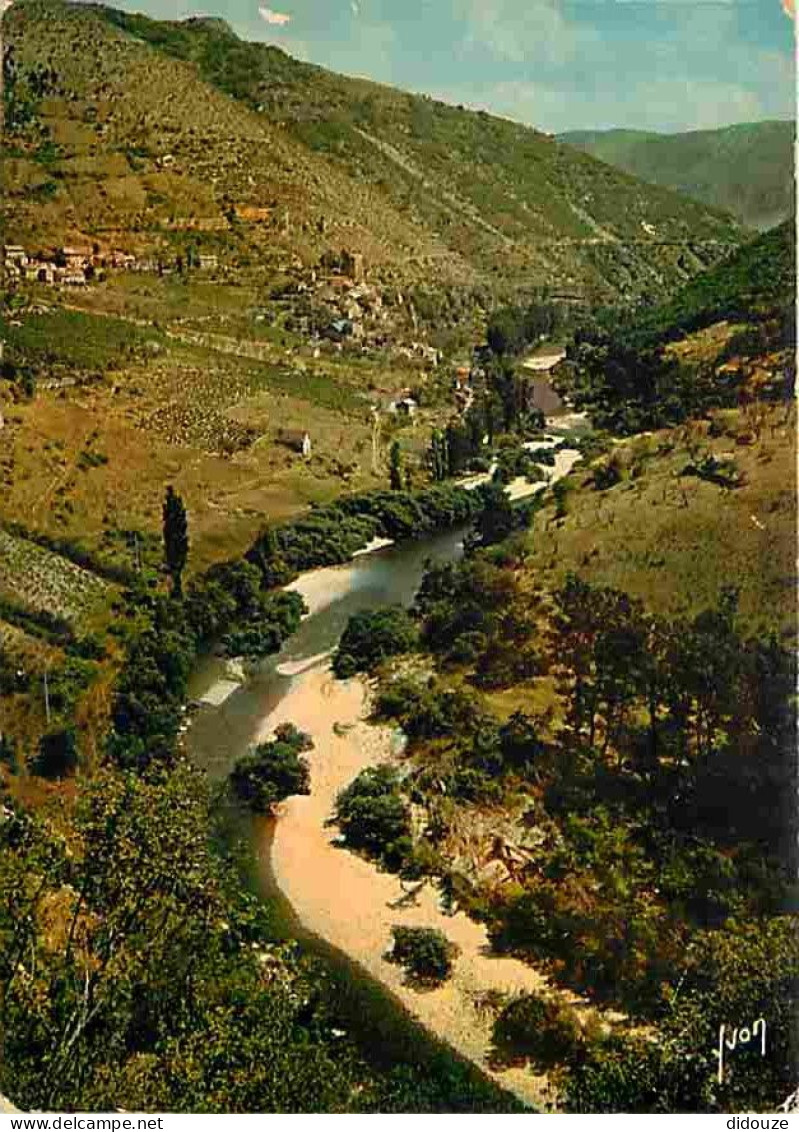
(755, 283)
(747, 169)
(121, 124)
(727, 338)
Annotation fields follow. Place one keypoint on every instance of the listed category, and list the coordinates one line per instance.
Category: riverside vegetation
(95, 889)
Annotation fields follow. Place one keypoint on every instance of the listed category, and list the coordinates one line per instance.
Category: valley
(397, 542)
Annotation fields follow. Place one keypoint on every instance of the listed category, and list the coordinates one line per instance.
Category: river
(295, 866)
(218, 736)
(385, 1031)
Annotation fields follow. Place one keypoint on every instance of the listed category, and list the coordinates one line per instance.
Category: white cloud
(658, 104)
(519, 31)
(280, 19)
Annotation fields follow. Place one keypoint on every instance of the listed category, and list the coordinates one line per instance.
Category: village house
(339, 329)
(75, 258)
(298, 440)
(462, 377)
(368, 297)
(47, 272)
(427, 353)
(16, 255)
(253, 214)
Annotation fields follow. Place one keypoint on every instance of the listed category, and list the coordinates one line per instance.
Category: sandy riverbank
(324, 586)
(348, 902)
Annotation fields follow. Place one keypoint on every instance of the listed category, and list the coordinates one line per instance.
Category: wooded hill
(724, 339)
(747, 169)
(127, 129)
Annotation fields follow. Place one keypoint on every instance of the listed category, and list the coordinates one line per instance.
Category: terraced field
(25, 651)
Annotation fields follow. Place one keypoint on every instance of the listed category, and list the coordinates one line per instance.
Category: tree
(601, 636)
(395, 473)
(373, 817)
(495, 522)
(57, 756)
(459, 447)
(273, 771)
(439, 461)
(267, 555)
(176, 538)
(543, 1028)
(370, 637)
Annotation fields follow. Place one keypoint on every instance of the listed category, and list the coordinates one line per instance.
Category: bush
(560, 493)
(425, 953)
(371, 637)
(374, 818)
(627, 1074)
(8, 754)
(274, 618)
(273, 771)
(541, 1028)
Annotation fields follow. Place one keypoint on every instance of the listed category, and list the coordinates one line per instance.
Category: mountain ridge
(434, 191)
(746, 168)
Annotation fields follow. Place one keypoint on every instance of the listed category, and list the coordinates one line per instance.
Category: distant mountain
(129, 129)
(747, 169)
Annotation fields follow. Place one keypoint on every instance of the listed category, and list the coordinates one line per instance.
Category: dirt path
(347, 901)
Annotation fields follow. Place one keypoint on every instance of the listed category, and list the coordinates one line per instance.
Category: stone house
(405, 407)
(76, 259)
(15, 254)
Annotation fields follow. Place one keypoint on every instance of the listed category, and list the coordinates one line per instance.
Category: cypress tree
(176, 538)
(395, 472)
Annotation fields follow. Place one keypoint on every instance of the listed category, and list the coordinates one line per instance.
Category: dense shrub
(427, 712)
(274, 770)
(67, 682)
(57, 756)
(608, 472)
(278, 618)
(373, 817)
(371, 637)
(542, 1028)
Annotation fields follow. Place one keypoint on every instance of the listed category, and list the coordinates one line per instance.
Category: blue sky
(556, 64)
